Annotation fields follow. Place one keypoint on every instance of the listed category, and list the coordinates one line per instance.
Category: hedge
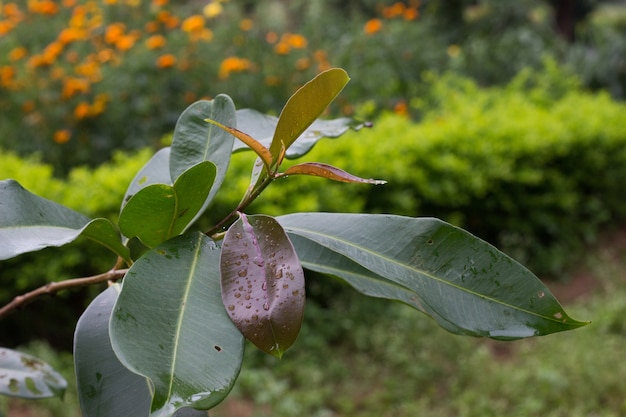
(537, 174)
(537, 168)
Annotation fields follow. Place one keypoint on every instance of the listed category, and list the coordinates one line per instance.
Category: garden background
(505, 118)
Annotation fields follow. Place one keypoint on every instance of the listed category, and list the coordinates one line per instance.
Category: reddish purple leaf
(262, 283)
(318, 169)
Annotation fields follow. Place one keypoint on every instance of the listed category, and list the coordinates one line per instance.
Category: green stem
(216, 231)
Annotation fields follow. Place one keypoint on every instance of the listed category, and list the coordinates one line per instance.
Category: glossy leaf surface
(159, 211)
(465, 284)
(155, 171)
(306, 105)
(330, 172)
(262, 126)
(169, 324)
(262, 283)
(105, 387)
(29, 223)
(196, 140)
(26, 376)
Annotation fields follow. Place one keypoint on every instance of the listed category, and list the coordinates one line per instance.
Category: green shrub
(94, 192)
(536, 174)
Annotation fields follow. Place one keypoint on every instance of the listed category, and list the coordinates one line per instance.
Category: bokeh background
(505, 118)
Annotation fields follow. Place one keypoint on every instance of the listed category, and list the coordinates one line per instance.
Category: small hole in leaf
(219, 349)
(429, 242)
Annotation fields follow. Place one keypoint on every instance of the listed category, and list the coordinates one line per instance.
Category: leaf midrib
(305, 232)
(181, 316)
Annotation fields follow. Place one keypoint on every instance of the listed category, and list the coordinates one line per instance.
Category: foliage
(535, 168)
(62, 64)
(170, 340)
(387, 365)
(95, 192)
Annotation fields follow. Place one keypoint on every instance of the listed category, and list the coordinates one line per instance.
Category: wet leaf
(26, 376)
(304, 106)
(465, 284)
(262, 283)
(159, 211)
(105, 387)
(318, 169)
(169, 324)
(29, 223)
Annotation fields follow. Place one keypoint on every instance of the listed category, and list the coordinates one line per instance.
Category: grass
(367, 357)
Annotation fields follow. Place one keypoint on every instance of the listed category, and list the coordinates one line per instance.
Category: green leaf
(29, 223)
(262, 126)
(156, 171)
(262, 283)
(159, 211)
(306, 105)
(330, 172)
(326, 261)
(105, 387)
(196, 140)
(169, 324)
(26, 376)
(465, 284)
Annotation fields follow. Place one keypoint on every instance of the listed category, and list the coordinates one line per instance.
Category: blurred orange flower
(17, 53)
(89, 70)
(73, 86)
(282, 48)
(166, 61)
(155, 42)
(114, 32)
(372, 26)
(246, 24)
(7, 75)
(233, 64)
(72, 34)
(52, 52)
(12, 11)
(159, 3)
(396, 9)
(81, 111)
(6, 26)
(46, 7)
(169, 20)
(62, 136)
(411, 14)
(125, 42)
(105, 55)
(192, 24)
(294, 40)
(99, 104)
